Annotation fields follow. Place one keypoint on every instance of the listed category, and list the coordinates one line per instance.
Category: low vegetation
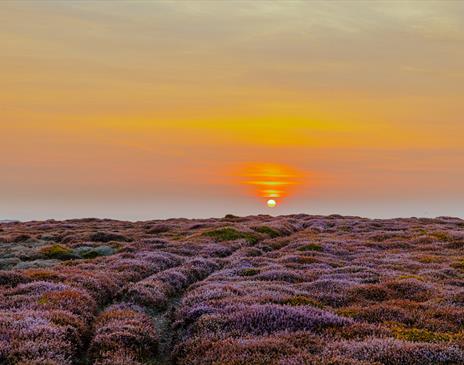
(291, 290)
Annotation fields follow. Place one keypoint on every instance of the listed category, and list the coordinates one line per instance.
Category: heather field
(255, 290)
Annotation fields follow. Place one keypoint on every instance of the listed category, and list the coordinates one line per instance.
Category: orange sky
(136, 109)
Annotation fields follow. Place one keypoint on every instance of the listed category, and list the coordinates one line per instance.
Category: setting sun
(271, 203)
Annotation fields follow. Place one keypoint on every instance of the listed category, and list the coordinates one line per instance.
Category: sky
(155, 109)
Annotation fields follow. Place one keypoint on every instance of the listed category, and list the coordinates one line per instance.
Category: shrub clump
(123, 332)
(76, 301)
(442, 236)
(268, 318)
(371, 292)
(93, 252)
(231, 234)
(278, 244)
(281, 275)
(411, 289)
(310, 247)
(12, 278)
(393, 352)
(280, 348)
(21, 238)
(271, 232)
(58, 251)
(459, 265)
(298, 300)
(159, 228)
(430, 259)
(420, 335)
(251, 271)
(107, 237)
(231, 216)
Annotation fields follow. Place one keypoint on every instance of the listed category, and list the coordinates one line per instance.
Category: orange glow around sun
(271, 182)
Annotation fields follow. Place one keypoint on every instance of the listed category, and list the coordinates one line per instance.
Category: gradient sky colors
(147, 109)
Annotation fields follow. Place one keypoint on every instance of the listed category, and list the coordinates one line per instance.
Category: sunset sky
(155, 109)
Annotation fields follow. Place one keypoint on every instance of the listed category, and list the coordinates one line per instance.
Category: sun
(271, 203)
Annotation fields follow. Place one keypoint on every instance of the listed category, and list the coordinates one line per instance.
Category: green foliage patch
(310, 247)
(231, 234)
(249, 272)
(271, 232)
(57, 251)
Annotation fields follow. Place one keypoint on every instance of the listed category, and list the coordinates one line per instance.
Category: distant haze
(151, 109)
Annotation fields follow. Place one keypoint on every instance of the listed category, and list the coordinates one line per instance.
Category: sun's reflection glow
(271, 182)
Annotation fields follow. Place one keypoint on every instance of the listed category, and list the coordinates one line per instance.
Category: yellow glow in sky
(147, 107)
(275, 181)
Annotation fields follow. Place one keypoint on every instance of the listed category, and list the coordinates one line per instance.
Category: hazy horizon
(138, 110)
(136, 214)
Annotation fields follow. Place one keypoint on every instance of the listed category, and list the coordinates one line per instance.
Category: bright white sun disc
(271, 203)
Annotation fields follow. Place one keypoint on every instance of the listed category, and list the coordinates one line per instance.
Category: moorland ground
(286, 290)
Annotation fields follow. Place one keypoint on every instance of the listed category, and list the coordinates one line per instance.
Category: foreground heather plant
(393, 352)
(123, 333)
(32, 336)
(248, 349)
(239, 320)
